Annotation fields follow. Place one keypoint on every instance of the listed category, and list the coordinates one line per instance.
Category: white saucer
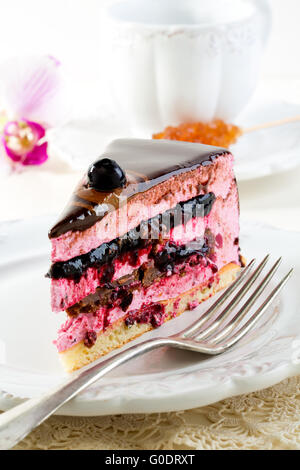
(161, 381)
(257, 154)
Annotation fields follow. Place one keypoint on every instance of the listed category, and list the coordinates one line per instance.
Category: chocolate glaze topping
(147, 163)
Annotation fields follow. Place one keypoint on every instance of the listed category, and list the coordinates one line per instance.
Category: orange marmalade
(216, 133)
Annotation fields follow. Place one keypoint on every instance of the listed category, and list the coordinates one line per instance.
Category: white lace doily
(269, 419)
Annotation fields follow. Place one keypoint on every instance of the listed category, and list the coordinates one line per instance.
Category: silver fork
(214, 333)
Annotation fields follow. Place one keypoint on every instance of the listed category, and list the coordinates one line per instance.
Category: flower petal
(15, 157)
(35, 88)
(36, 128)
(21, 137)
(38, 155)
(11, 128)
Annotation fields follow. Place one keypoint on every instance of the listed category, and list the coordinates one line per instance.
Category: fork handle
(16, 423)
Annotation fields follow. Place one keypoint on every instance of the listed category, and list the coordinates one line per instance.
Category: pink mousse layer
(223, 219)
(119, 222)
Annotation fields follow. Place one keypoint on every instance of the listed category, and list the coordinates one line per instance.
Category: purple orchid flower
(33, 91)
(23, 142)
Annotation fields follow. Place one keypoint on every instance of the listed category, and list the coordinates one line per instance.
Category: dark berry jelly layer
(138, 238)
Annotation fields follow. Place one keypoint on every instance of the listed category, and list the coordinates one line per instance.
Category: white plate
(164, 380)
(258, 154)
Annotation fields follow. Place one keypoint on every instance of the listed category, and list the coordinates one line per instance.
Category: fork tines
(217, 330)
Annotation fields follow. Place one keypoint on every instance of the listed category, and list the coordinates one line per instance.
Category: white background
(69, 30)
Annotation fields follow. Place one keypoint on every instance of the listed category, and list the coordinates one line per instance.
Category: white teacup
(173, 61)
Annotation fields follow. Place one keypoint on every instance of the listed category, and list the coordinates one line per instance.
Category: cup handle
(265, 10)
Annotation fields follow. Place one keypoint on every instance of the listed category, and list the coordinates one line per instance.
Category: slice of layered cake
(151, 231)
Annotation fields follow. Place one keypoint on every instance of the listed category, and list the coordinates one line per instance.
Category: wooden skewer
(266, 125)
